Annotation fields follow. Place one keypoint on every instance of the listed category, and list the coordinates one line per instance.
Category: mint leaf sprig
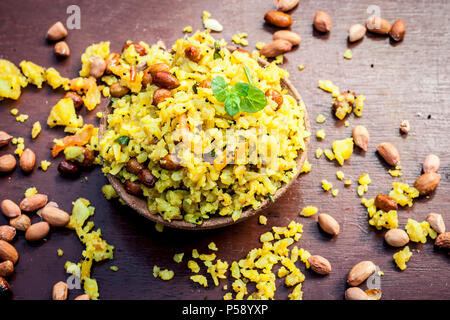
(241, 97)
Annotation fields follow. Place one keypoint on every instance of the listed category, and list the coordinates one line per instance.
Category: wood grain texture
(409, 80)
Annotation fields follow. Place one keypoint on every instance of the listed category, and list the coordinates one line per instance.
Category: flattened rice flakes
(418, 232)
(402, 257)
(403, 194)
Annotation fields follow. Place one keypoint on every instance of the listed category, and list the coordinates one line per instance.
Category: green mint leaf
(248, 75)
(220, 88)
(217, 51)
(123, 140)
(232, 104)
(254, 101)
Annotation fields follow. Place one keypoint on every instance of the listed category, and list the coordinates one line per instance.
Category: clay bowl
(140, 204)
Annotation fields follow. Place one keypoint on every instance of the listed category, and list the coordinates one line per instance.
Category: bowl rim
(140, 204)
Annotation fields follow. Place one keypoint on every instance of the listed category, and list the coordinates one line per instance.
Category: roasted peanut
(88, 158)
(76, 98)
(166, 80)
(443, 240)
(356, 32)
(140, 50)
(286, 5)
(287, 35)
(34, 202)
(27, 160)
(275, 48)
(56, 32)
(67, 168)
(111, 60)
(37, 231)
(319, 265)
(50, 204)
(322, 21)
(398, 30)
(378, 25)
(7, 163)
(117, 90)
(276, 96)
(8, 252)
(328, 224)
(385, 203)
(133, 166)
(436, 222)
(361, 137)
(431, 163)
(10, 209)
(60, 291)
(97, 67)
(278, 18)
(6, 268)
(21, 222)
(157, 67)
(355, 293)
(205, 84)
(170, 162)
(62, 49)
(7, 233)
(133, 187)
(360, 272)
(55, 216)
(147, 178)
(5, 289)
(427, 182)
(160, 95)
(193, 53)
(147, 77)
(396, 237)
(4, 138)
(389, 153)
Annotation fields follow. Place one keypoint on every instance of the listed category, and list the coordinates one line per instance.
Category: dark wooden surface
(407, 81)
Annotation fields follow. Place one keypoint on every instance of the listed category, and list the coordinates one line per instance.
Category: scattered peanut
(67, 168)
(10, 209)
(33, 202)
(361, 137)
(76, 98)
(278, 18)
(286, 5)
(170, 162)
(396, 237)
(7, 163)
(431, 163)
(55, 217)
(8, 252)
(118, 91)
(4, 138)
(356, 32)
(6, 268)
(322, 21)
(5, 289)
(37, 231)
(27, 160)
(60, 291)
(360, 272)
(133, 187)
(427, 182)
(157, 67)
(436, 222)
(275, 48)
(160, 95)
(193, 53)
(398, 30)
(7, 233)
(389, 153)
(50, 204)
(276, 96)
(328, 224)
(355, 293)
(385, 203)
(287, 35)
(405, 126)
(320, 265)
(56, 32)
(97, 67)
(378, 25)
(62, 49)
(443, 240)
(21, 222)
(165, 79)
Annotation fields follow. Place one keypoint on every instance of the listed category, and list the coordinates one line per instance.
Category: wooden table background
(409, 80)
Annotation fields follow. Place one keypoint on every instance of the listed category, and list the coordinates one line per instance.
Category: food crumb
(319, 153)
(321, 134)
(212, 246)
(259, 45)
(346, 123)
(99, 115)
(240, 38)
(36, 129)
(309, 211)
(262, 220)
(402, 257)
(30, 192)
(114, 268)
(348, 183)
(335, 192)
(109, 192)
(306, 167)
(22, 118)
(178, 257)
(326, 185)
(159, 227)
(348, 54)
(329, 154)
(301, 67)
(340, 175)
(320, 118)
(187, 29)
(14, 111)
(60, 252)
